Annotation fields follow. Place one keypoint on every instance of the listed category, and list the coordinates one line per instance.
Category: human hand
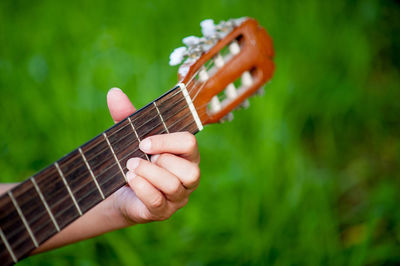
(155, 189)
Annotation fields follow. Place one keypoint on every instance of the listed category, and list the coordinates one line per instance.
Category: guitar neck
(48, 201)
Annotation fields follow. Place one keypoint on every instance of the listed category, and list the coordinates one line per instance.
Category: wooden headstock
(224, 68)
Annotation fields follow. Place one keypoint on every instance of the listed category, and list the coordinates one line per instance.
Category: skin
(155, 189)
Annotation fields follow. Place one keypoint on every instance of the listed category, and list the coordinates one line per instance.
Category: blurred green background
(308, 175)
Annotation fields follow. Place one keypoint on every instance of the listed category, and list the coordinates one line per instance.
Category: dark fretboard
(47, 202)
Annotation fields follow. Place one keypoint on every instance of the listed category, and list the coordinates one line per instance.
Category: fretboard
(48, 201)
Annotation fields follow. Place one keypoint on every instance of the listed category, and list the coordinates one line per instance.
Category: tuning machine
(227, 118)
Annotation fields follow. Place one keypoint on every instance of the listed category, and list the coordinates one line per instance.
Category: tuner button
(208, 28)
(191, 41)
(177, 56)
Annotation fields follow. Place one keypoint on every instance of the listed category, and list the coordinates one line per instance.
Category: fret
(174, 108)
(115, 156)
(68, 188)
(137, 136)
(57, 196)
(27, 201)
(9, 249)
(111, 180)
(159, 114)
(21, 215)
(151, 125)
(50, 200)
(45, 204)
(125, 143)
(79, 180)
(91, 173)
(185, 123)
(13, 229)
(107, 172)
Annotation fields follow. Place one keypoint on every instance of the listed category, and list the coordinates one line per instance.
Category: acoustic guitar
(218, 72)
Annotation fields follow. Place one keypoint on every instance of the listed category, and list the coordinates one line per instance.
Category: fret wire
(137, 136)
(137, 118)
(134, 129)
(68, 188)
(146, 133)
(90, 191)
(159, 114)
(22, 216)
(91, 173)
(70, 192)
(183, 117)
(115, 156)
(10, 251)
(45, 203)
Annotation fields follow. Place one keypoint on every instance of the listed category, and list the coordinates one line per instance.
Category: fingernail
(132, 163)
(154, 158)
(145, 145)
(130, 176)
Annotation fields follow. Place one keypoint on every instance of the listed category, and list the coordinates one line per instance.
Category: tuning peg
(208, 28)
(177, 56)
(227, 118)
(191, 41)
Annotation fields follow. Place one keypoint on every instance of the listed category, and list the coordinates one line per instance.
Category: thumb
(119, 104)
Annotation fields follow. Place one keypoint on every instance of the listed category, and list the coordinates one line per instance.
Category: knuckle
(157, 202)
(194, 176)
(174, 187)
(184, 202)
(191, 141)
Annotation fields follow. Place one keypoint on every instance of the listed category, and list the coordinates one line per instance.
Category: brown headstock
(224, 68)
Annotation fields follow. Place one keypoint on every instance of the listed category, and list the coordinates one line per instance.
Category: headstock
(223, 68)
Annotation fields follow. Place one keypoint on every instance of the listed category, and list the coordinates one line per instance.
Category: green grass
(308, 175)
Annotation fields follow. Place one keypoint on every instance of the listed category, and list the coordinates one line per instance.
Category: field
(308, 175)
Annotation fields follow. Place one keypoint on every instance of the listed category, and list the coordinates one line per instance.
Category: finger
(151, 197)
(182, 143)
(160, 178)
(119, 104)
(187, 172)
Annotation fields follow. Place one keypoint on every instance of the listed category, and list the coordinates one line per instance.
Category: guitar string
(39, 215)
(80, 187)
(207, 68)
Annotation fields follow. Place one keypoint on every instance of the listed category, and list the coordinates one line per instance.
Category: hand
(158, 188)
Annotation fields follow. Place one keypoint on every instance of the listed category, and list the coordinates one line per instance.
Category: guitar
(219, 71)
